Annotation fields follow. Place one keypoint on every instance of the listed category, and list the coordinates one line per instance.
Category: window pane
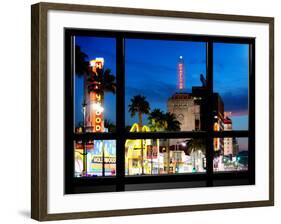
(95, 84)
(95, 158)
(164, 156)
(231, 154)
(231, 74)
(165, 85)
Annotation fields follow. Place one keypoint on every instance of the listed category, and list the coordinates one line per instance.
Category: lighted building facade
(161, 156)
(142, 156)
(187, 111)
(100, 158)
(218, 112)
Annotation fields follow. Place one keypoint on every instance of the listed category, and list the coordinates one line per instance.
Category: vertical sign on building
(95, 108)
(181, 73)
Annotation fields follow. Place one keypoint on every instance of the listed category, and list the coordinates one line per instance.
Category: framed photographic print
(133, 104)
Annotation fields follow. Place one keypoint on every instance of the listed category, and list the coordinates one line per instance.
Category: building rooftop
(181, 96)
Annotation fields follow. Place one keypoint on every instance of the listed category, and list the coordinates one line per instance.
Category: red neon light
(181, 74)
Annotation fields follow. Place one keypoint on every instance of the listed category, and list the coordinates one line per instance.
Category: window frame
(120, 182)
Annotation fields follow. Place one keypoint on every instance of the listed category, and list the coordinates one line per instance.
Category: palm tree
(160, 121)
(172, 123)
(157, 120)
(81, 64)
(139, 105)
(81, 69)
(105, 81)
(196, 145)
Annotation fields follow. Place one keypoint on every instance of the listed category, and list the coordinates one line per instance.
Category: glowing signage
(97, 63)
(108, 160)
(96, 96)
(96, 112)
(181, 74)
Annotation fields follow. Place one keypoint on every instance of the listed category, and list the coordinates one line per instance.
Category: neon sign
(96, 109)
(181, 74)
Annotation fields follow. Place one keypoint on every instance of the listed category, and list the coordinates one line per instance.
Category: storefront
(100, 158)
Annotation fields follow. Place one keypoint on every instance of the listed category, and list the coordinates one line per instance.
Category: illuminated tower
(181, 74)
(94, 97)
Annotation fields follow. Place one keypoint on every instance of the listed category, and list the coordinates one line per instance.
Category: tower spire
(181, 74)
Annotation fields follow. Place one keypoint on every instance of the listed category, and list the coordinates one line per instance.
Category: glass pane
(165, 82)
(231, 74)
(95, 84)
(95, 158)
(231, 154)
(164, 156)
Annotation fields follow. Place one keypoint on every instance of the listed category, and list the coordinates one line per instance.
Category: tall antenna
(181, 74)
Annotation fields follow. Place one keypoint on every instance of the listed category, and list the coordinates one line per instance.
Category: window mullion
(120, 113)
(251, 165)
(209, 117)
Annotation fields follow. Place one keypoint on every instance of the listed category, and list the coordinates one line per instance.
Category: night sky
(150, 70)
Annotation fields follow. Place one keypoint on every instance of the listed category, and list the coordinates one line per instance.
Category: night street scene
(165, 91)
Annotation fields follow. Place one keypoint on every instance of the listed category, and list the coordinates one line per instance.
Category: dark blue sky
(231, 69)
(150, 70)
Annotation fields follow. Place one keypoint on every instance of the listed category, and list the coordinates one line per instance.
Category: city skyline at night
(151, 72)
(166, 89)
